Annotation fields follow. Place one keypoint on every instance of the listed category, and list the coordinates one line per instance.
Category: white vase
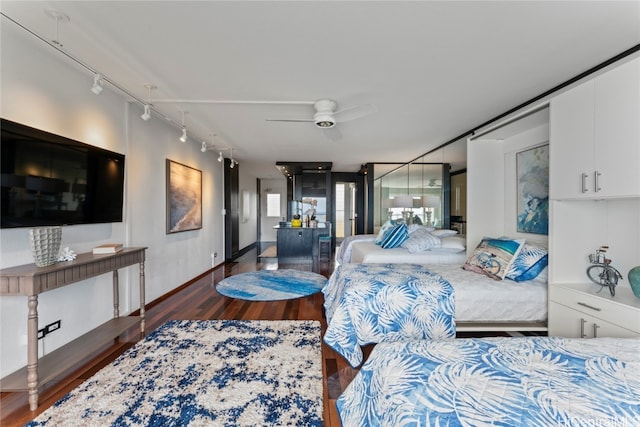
(45, 244)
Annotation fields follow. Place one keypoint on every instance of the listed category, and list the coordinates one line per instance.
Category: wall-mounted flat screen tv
(48, 179)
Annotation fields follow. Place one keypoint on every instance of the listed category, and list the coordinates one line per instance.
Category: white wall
(42, 89)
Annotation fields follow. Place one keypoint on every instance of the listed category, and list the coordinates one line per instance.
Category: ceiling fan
(326, 115)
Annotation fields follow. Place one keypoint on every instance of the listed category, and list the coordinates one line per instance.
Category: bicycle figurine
(488, 262)
(601, 272)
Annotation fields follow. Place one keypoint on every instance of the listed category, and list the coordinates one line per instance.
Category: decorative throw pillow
(444, 233)
(494, 257)
(395, 237)
(421, 240)
(383, 230)
(528, 264)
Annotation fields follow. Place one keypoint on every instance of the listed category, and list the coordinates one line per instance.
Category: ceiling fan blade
(355, 112)
(289, 120)
(333, 134)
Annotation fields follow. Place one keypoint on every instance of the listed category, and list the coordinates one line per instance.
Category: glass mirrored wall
(420, 192)
(412, 193)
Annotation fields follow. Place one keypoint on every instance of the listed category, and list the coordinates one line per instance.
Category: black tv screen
(48, 179)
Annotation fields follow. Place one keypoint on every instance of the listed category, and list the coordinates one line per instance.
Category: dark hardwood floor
(199, 300)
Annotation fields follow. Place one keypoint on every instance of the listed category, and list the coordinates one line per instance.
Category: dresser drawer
(602, 307)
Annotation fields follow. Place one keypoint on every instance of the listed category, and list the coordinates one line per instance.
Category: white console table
(29, 280)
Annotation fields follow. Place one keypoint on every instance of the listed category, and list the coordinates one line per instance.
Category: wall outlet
(43, 332)
(54, 326)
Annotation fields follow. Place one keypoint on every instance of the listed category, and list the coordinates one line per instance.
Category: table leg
(32, 352)
(116, 295)
(142, 302)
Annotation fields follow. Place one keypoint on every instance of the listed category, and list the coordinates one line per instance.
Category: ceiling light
(97, 84)
(183, 138)
(233, 162)
(204, 146)
(147, 107)
(147, 112)
(220, 158)
(323, 120)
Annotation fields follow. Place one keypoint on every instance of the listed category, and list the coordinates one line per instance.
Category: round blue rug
(271, 285)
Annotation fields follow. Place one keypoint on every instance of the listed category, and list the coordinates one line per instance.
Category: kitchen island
(300, 244)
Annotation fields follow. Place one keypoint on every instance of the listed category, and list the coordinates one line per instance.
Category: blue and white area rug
(205, 373)
(271, 285)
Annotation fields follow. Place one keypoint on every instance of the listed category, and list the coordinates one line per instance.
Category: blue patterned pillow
(528, 264)
(383, 230)
(395, 237)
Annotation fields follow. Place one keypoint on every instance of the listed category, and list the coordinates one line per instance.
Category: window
(273, 204)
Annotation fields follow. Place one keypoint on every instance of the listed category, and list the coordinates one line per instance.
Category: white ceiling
(433, 69)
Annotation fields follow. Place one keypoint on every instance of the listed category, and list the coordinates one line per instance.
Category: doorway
(348, 205)
(345, 210)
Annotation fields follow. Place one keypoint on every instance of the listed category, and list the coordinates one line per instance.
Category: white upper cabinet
(595, 137)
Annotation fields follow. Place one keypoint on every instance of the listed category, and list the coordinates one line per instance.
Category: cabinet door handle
(584, 182)
(596, 181)
(595, 330)
(589, 306)
(582, 323)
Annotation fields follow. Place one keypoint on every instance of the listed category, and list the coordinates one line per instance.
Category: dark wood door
(232, 210)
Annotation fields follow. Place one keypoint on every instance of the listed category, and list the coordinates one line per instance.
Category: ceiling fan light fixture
(324, 121)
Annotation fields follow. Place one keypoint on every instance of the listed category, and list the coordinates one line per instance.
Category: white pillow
(452, 244)
(444, 233)
(421, 240)
(413, 227)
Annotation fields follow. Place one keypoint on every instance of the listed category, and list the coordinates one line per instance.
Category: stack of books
(109, 248)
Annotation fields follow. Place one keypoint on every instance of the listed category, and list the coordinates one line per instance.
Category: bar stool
(324, 248)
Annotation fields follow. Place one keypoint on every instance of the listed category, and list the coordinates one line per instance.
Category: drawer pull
(582, 323)
(589, 306)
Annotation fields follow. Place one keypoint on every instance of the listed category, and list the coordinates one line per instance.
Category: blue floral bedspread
(534, 381)
(372, 303)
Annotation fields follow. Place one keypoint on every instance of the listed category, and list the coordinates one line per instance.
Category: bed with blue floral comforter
(532, 381)
(372, 303)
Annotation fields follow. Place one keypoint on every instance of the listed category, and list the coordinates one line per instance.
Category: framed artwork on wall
(532, 170)
(184, 197)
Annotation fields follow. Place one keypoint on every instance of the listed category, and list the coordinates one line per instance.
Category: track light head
(220, 158)
(204, 146)
(183, 138)
(97, 84)
(147, 112)
(231, 165)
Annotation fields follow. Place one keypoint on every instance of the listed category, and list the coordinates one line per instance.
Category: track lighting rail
(100, 79)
